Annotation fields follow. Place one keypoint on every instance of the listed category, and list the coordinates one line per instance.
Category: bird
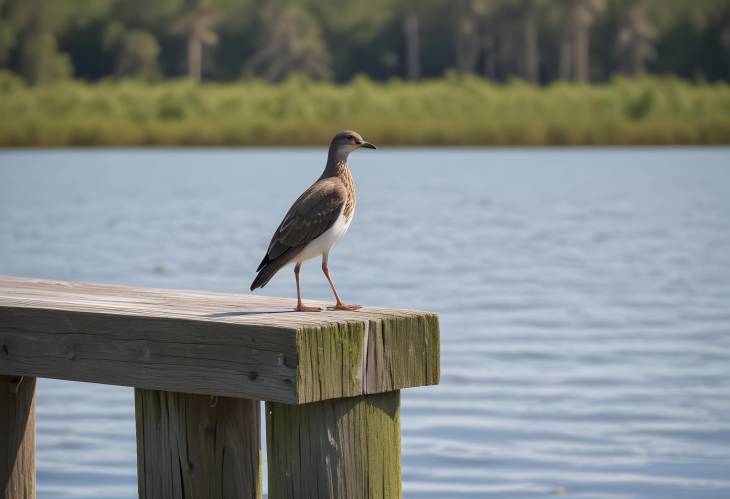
(316, 221)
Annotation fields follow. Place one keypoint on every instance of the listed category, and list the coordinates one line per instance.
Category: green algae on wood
(385, 352)
(347, 447)
(402, 352)
(330, 357)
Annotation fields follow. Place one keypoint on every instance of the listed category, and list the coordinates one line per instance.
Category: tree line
(223, 40)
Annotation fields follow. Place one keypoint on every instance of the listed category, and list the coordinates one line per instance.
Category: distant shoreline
(445, 112)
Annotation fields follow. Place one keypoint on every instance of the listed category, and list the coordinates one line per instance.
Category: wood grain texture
(210, 343)
(17, 437)
(333, 449)
(193, 446)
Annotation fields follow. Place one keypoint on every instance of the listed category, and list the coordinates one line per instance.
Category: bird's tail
(266, 272)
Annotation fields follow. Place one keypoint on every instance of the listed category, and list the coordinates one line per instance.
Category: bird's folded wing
(316, 210)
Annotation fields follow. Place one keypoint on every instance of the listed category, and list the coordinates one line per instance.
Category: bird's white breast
(324, 242)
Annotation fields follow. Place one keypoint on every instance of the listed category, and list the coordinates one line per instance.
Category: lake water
(584, 297)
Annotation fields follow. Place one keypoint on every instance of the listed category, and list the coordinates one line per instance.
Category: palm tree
(469, 38)
(635, 40)
(578, 17)
(501, 33)
(412, 12)
(413, 50)
(196, 23)
(530, 48)
(32, 27)
(291, 42)
(135, 51)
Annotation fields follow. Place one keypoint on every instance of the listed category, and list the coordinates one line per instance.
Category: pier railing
(200, 363)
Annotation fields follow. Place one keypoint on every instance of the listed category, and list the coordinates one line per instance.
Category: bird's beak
(368, 145)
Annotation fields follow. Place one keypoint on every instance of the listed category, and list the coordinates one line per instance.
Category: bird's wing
(316, 210)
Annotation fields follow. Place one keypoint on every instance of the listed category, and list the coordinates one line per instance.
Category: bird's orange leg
(339, 305)
(300, 305)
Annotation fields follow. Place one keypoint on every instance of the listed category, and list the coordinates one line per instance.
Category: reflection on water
(583, 297)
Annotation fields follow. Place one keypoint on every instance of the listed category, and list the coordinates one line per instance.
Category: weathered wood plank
(192, 446)
(17, 437)
(336, 448)
(210, 343)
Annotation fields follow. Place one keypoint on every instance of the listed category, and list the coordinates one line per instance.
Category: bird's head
(345, 142)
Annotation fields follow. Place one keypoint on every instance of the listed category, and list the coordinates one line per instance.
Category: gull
(316, 220)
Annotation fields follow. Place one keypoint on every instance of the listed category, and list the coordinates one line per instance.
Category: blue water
(584, 297)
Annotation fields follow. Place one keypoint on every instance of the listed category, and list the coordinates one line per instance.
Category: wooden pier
(200, 363)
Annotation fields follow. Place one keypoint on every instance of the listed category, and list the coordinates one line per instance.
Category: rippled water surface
(584, 298)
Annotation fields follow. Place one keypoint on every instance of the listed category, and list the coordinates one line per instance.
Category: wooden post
(337, 448)
(17, 437)
(191, 446)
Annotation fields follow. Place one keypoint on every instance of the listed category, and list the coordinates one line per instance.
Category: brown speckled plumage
(345, 177)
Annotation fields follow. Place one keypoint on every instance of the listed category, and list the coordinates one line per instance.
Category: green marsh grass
(448, 111)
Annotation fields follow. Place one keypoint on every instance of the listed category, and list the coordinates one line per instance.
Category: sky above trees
(535, 40)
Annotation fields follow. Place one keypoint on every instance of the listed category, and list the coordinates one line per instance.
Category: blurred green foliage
(536, 40)
(450, 111)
